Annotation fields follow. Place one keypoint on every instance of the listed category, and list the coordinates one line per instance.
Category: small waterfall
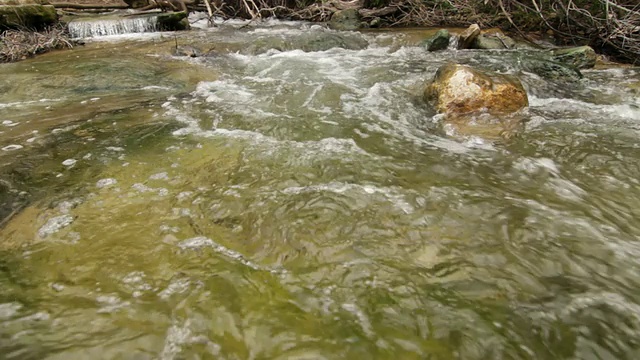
(453, 42)
(93, 28)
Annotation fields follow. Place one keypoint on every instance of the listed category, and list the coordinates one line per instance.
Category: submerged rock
(439, 41)
(348, 19)
(466, 38)
(32, 16)
(582, 57)
(476, 102)
(54, 224)
(320, 40)
(186, 50)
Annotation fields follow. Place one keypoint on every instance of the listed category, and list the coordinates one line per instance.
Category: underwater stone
(102, 183)
(186, 50)
(55, 224)
(69, 162)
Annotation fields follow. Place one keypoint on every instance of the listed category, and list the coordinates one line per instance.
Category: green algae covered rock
(439, 41)
(32, 16)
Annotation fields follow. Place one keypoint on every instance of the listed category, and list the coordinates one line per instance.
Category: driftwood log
(88, 6)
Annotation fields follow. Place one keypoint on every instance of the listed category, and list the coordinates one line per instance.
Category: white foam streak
(201, 242)
(392, 195)
(625, 111)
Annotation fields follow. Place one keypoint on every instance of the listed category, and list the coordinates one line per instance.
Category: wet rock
(460, 89)
(548, 69)
(375, 23)
(33, 16)
(186, 50)
(439, 41)
(495, 41)
(321, 41)
(310, 41)
(582, 57)
(475, 102)
(466, 38)
(348, 19)
(173, 21)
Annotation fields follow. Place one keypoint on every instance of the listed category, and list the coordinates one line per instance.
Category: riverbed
(291, 196)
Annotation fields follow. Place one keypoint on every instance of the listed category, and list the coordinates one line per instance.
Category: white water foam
(607, 112)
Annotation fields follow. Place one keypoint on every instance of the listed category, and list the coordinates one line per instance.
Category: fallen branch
(17, 45)
(88, 6)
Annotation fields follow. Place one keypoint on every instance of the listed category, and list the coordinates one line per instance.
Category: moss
(173, 21)
(27, 16)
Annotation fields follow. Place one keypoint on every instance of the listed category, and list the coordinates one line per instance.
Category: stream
(291, 196)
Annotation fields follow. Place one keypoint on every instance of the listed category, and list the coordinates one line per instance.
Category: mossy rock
(27, 16)
(548, 69)
(24, 2)
(173, 21)
(439, 41)
(582, 57)
(493, 42)
(345, 20)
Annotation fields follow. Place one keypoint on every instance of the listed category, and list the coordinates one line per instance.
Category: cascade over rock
(103, 26)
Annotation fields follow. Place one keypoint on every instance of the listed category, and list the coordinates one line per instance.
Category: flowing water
(290, 196)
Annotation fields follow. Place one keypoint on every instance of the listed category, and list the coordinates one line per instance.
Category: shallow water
(290, 204)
